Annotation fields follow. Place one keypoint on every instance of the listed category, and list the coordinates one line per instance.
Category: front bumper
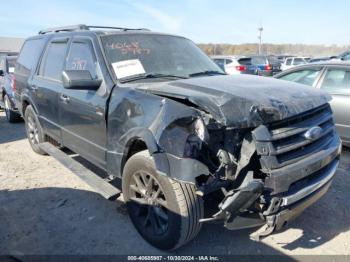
(292, 205)
(282, 208)
(291, 212)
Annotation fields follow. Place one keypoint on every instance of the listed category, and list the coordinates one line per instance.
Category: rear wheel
(165, 212)
(34, 130)
(10, 114)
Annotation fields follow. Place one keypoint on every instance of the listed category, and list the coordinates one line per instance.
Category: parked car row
(269, 65)
(253, 65)
(189, 143)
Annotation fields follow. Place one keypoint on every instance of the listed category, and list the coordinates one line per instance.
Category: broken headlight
(195, 140)
(200, 130)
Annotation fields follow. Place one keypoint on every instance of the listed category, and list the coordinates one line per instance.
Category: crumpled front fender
(181, 169)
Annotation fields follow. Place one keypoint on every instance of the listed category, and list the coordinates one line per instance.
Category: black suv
(155, 111)
(7, 87)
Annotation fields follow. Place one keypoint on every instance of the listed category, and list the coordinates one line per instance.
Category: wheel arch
(25, 102)
(140, 140)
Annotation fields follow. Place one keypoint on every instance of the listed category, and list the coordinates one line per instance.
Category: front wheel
(165, 212)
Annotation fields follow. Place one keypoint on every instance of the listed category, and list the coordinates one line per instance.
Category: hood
(242, 100)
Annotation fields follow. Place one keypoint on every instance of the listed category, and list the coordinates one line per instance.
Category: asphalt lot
(45, 209)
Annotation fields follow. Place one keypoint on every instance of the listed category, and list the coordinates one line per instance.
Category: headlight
(200, 129)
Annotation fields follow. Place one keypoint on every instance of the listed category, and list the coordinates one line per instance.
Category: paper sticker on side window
(127, 68)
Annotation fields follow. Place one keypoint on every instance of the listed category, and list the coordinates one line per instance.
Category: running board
(94, 181)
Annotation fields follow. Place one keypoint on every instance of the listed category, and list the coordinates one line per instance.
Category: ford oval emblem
(313, 133)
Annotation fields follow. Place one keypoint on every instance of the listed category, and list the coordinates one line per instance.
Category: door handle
(64, 98)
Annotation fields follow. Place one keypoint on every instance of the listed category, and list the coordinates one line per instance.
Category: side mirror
(1, 72)
(80, 79)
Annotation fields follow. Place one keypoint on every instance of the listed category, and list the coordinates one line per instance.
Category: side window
(299, 61)
(10, 65)
(336, 81)
(2, 63)
(29, 55)
(289, 61)
(220, 63)
(306, 77)
(52, 64)
(228, 61)
(82, 57)
(346, 57)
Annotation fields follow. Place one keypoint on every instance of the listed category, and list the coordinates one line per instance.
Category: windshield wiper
(206, 73)
(147, 76)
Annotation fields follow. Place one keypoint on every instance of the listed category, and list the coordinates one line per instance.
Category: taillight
(241, 68)
(13, 82)
(268, 67)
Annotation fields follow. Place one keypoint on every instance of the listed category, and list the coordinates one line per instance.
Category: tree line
(273, 49)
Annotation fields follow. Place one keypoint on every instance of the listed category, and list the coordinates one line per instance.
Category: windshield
(137, 54)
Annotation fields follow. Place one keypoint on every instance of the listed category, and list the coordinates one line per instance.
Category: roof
(331, 62)
(10, 44)
(84, 30)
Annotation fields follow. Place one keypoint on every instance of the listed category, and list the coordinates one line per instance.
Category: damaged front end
(269, 174)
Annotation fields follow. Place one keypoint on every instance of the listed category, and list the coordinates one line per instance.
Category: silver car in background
(332, 77)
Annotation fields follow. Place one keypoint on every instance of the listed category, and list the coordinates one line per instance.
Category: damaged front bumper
(281, 210)
(298, 171)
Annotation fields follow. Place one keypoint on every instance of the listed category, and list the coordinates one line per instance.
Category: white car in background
(229, 64)
(292, 62)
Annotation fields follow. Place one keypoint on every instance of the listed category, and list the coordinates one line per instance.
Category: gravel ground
(45, 209)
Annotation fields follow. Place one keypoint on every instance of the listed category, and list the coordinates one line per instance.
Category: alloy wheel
(148, 203)
(7, 108)
(33, 130)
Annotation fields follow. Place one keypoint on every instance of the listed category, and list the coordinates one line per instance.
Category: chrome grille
(287, 156)
(284, 142)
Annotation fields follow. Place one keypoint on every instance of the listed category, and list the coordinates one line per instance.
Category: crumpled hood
(243, 100)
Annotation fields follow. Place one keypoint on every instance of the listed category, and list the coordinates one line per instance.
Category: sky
(204, 21)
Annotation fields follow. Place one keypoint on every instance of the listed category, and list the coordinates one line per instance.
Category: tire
(11, 116)
(34, 130)
(176, 201)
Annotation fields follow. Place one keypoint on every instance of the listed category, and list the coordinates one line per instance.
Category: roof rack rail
(117, 28)
(68, 28)
(79, 27)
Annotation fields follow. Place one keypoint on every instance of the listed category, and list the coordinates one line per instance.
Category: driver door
(82, 112)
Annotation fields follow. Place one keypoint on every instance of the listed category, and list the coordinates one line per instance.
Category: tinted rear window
(259, 60)
(245, 61)
(273, 60)
(29, 55)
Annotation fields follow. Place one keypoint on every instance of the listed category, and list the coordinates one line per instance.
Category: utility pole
(260, 29)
